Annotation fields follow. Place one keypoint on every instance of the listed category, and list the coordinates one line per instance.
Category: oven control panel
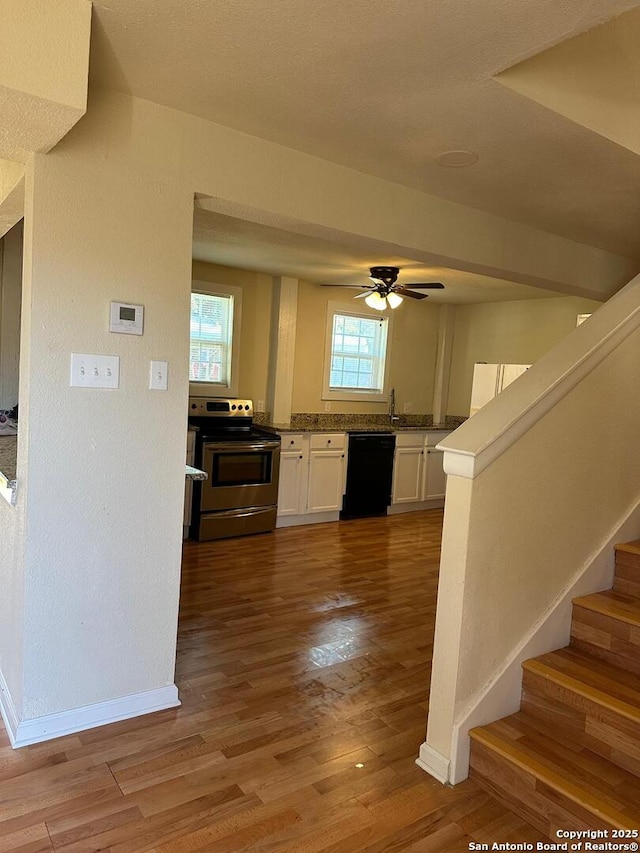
(220, 407)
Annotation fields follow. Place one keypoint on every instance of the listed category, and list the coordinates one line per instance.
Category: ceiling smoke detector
(457, 159)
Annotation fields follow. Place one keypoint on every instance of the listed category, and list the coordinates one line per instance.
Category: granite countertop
(359, 427)
(8, 456)
(433, 428)
(195, 473)
(337, 422)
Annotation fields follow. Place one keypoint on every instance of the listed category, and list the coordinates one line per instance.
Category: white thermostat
(126, 319)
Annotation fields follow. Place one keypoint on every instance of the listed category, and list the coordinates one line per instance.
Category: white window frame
(221, 389)
(353, 394)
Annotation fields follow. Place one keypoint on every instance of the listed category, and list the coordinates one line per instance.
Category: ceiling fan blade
(362, 295)
(402, 291)
(357, 286)
(426, 285)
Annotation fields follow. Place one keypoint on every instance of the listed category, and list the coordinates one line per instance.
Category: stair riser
(569, 714)
(520, 791)
(627, 576)
(607, 638)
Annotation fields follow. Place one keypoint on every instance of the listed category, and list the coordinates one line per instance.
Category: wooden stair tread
(609, 686)
(629, 547)
(578, 775)
(617, 605)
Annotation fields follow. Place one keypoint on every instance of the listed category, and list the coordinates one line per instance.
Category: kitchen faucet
(392, 406)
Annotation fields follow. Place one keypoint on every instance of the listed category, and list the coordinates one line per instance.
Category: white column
(282, 352)
(446, 326)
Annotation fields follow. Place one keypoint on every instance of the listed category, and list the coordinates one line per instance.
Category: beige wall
(100, 472)
(412, 352)
(257, 290)
(510, 332)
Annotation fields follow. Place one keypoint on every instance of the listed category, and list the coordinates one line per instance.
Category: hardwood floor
(303, 668)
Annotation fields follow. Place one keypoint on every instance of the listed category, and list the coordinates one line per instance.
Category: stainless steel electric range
(242, 461)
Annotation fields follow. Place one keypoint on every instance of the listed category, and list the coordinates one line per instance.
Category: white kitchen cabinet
(294, 461)
(326, 481)
(312, 477)
(408, 466)
(435, 480)
(490, 379)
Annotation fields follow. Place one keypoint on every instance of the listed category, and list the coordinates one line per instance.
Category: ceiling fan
(384, 290)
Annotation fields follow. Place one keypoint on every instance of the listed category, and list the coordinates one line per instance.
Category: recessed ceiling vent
(457, 159)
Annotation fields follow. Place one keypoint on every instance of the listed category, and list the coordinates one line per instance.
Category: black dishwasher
(369, 474)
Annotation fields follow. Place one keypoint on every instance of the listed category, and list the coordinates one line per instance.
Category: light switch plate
(94, 371)
(158, 375)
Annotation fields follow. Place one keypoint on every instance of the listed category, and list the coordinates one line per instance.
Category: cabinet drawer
(328, 441)
(410, 439)
(291, 441)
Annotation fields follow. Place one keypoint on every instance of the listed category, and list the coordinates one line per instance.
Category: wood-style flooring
(303, 668)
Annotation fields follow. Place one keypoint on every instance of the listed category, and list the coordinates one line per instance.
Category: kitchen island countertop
(8, 456)
(8, 459)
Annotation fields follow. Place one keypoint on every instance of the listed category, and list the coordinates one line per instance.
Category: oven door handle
(240, 446)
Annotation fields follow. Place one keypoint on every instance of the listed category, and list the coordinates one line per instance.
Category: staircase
(570, 758)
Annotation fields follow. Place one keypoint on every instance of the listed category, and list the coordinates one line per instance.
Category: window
(214, 330)
(356, 355)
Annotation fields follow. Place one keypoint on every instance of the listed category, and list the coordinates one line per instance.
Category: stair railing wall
(542, 482)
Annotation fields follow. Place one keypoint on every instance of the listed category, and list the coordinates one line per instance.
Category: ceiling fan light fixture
(394, 299)
(374, 300)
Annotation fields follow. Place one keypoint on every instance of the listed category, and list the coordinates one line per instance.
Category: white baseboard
(307, 518)
(433, 763)
(8, 709)
(415, 506)
(26, 732)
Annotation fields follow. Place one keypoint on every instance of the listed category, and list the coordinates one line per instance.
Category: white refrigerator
(490, 379)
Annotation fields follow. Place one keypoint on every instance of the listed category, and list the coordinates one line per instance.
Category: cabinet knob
(301, 456)
(328, 441)
(342, 457)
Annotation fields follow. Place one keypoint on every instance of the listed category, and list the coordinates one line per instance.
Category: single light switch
(158, 375)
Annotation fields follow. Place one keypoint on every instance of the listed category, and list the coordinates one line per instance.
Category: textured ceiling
(237, 243)
(384, 86)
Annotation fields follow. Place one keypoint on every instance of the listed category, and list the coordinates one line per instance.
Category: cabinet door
(326, 479)
(407, 474)
(290, 487)
(435, 480)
